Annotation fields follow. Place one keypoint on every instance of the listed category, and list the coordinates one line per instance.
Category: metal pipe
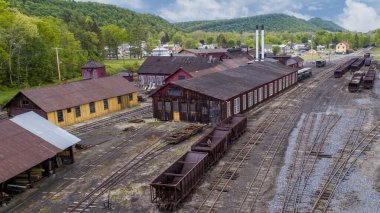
(257, 42)
(262, 42)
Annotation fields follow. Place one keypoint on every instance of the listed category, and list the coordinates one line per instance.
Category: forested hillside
(31, 29)
(272, 22)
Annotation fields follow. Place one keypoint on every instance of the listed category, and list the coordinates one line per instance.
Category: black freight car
(320, 63)
(367, 62)
(177, 181)
(345, 67)
(237, 124)
(357, 65)
(356, 81)
(369, 80)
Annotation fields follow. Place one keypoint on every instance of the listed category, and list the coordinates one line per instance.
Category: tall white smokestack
(257, 42)
(262, 42)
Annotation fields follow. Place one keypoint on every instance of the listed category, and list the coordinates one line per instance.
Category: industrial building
(74, 102)
(217, 96)
(31, 147)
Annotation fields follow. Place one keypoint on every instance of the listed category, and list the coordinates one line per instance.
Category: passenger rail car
(177, 181)
(304, 73)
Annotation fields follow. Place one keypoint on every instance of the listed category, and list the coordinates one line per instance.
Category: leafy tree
(221, 40)
(113, 37)
(137, 34)
(151, 44)
(276, 49)
(190, 43)
(356, 42)
(209, 40)
(231, 43)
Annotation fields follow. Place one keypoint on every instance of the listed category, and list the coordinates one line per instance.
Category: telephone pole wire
(58, 68)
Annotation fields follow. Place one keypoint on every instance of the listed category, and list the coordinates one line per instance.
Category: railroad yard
(313, 148)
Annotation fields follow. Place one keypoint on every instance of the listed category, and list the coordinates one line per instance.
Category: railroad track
(343, 164)
(117, 118)
(230, 170)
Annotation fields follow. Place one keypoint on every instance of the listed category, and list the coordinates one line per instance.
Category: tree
(113, 37)
(276, 49)
(137, 34)
(190, 43)
(209, 40)
(356, 42)
(221, 40)
(151, 44)
(231, 43)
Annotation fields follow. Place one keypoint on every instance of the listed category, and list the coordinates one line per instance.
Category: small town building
(295, 62)
(299, 46)
(93, 70)
(31, 148)
(217, 96)
(342, 47)
(160, 51)
(74, 102)
(128, 75)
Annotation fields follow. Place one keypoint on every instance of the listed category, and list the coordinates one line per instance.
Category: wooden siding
(113, 106)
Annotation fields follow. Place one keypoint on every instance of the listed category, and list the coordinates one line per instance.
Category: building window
(270, 89)
(255, 96)
(260, 94)
(279, 85)
(25, 103)
(77, 111)
(275, 87)
(92, 107)
(60, 116)
(105, 104)
(250, 99)
(244, 102)
(68, 110)
(119, 99)
(181, 77)
(237, 105)
(130, 97)
(265, 92)
(286, 81)
(228, 109)
(174, 92)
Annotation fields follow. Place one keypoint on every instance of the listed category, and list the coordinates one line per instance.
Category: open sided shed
(214, 97)
(27, 141)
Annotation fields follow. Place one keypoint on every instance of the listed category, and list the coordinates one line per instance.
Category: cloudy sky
(356, 15)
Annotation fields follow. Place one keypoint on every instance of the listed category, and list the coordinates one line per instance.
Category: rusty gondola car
(356, 81)
(345, 67)
(177, 181)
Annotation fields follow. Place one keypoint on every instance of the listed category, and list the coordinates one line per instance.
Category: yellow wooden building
(74, 102)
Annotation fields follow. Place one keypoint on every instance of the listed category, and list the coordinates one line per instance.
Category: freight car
(342, 69)
(304, 73)
(356, 81)
(367, 62)
(369, 80)
(177, 181)
(320, 63)
(357, 65)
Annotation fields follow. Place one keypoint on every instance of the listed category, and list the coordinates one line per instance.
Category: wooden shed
(217, 96)
(74, 102)
(93, 70)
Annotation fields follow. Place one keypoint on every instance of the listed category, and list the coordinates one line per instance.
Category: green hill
(272, 22)
(102, 14)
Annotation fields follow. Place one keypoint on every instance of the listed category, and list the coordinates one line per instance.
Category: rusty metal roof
(21, 150)
(166, 65)
(92, 65)
(52, 98)
(232, 82)
(205, 51)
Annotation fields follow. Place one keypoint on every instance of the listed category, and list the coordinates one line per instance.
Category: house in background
(342, 47)
(295, 62)
(299, 46)
(93, 70)
(160, 51)
(74, 102)
(214, 53)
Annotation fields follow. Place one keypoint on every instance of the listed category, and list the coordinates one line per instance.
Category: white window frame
(250, 99)
(255, 96)
(244, 102)
(280, 85)
(275, 87)
(236, 105)
(270, 89)
(260, 94)
(228, 109)
(265, 91)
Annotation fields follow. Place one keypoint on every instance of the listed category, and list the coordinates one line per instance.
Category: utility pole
(59, 71)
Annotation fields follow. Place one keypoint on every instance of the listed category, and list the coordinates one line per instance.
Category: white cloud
(313, 8)
(358, 16)
(298, 15)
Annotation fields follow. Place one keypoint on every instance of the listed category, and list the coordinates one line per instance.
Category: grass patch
(115, 66)
(6, 95)
(376, 51)
(315, 57)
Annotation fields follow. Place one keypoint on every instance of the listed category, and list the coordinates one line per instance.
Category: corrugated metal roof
(46, 130)
(92, 65)
(73, 94)
(232, 82)
(21, 150)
